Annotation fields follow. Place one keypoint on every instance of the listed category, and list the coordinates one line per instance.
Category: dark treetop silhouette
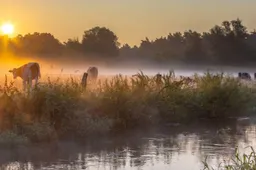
(228, 43)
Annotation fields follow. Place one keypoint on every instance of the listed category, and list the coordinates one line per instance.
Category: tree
(101, 41)
(73, 44)
(228, 42)
(193, 46)
(38, 43)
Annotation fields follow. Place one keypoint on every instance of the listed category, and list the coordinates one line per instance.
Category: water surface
(171, 147)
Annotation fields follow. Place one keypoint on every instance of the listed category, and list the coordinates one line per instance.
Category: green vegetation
(58, 110)
(238, 162)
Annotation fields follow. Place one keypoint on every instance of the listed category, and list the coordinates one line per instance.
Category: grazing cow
(92, 73)
(27, 72)
(244, 75)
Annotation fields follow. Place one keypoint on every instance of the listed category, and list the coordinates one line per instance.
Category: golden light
(7, 29)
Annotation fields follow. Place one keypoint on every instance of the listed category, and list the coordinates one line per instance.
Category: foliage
(39, 132)
(228, 43)
(238, 162)
(100, 40)
(12, 139)
(62, 109)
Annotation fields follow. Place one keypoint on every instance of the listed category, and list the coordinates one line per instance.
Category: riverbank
(58, 110)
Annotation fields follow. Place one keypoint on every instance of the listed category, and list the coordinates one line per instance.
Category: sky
(131, 20)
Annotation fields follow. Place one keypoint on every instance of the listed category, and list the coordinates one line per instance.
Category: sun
(7, 29)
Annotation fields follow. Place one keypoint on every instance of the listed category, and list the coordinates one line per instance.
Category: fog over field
(125, 68)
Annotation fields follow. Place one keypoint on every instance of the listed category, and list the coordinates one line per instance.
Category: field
(59, 108)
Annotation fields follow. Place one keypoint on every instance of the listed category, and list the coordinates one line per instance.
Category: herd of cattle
(31, 71)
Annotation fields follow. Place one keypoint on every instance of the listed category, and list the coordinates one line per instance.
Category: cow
(27, 72)
(244, 75)
(92, 74)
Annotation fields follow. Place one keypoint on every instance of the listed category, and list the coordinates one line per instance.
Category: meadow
(60, 108)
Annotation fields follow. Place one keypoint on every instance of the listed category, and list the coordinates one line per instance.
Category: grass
(63, 109)
(237, 162)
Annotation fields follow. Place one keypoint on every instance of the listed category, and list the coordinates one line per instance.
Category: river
(170, 147)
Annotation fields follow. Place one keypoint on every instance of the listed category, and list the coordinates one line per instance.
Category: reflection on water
(166, 148)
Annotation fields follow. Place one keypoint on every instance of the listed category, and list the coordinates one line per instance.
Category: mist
(53, 66)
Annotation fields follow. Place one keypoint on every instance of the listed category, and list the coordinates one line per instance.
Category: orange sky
(131, 20)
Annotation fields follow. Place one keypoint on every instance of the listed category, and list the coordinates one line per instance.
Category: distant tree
(226, 43)
(125, 50)
(193, 47)
(73, 44)
(100, 40)
(38, 43)
(161, 49)
(145, 49)
(176, 42)
(128, 52)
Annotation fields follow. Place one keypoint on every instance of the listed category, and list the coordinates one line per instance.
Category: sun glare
(7, 29)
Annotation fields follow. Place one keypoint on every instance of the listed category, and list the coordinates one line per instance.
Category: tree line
(227, 43)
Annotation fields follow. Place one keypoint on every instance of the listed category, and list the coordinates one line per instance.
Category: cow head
(14, 73)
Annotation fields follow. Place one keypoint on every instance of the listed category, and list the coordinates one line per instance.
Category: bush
(54, 102)
(85, 124)
(219, 96)
(40, 132)
(128, 104)
(11, 139)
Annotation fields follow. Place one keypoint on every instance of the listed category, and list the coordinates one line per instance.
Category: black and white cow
(92, 74)
(27, 72)
(244, 75)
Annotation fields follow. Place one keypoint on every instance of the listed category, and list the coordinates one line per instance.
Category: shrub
(219, 96)
(54, 102)
(39, 132)
(127, 104)
(85, 124)
(11, 139)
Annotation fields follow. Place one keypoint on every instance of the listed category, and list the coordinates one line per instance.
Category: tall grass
(237, 162)
(59, 109)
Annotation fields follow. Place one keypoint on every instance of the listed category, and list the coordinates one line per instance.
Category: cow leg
(29, 81)
(36, 81)
(24, 85)
(30, 84)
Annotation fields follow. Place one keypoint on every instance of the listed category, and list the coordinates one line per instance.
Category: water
(171, 147)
